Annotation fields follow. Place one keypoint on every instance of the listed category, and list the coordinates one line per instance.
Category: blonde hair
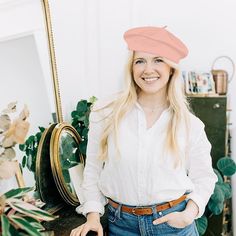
(127, 98)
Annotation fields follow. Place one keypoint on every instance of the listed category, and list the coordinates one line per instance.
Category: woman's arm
(200, 171)
(92, 199)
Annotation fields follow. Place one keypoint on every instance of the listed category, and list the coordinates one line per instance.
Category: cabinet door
(212, 111)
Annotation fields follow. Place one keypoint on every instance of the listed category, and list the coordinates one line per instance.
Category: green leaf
(5, 225)
(74, 114)
(42, 129)
(24, 225)
(18, 193)
(34, 223)
(201, 224)
(15, 232)
(218, 196)
(215, 207)
(81, 106)
(31, 139)
(93, 99)
(29, 162)
(22, 147)
(86, 121)
(227, 166)
(83, 147)
(226, 188)
(24, 161)
(38, 137)
(220, 178)
(31, 210)
(85, 132)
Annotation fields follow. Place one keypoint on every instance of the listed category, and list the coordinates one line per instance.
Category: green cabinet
(212, 111)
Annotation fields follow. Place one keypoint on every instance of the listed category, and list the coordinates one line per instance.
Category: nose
(149, 68)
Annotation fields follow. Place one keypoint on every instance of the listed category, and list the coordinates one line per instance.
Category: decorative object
(226, 167)
(198, 83)
(221, 76)
(64, 155)
(21, 217)
(80, 121)
(11, 133)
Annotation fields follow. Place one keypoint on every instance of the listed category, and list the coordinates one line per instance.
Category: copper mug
(221, 77)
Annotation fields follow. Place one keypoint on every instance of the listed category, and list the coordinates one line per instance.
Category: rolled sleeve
(91, 206)
(200, 171)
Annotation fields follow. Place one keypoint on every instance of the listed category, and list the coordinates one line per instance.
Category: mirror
(65, 161)
(45, 183)
(25, 70)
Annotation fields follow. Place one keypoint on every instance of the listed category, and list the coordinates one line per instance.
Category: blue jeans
(126, 224)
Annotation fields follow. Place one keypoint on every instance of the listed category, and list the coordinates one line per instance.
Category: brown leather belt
(147, 210)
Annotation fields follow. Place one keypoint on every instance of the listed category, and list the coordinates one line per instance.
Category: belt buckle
(133, 211)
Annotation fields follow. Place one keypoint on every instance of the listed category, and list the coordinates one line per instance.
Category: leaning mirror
(59, 165)
(25, 72)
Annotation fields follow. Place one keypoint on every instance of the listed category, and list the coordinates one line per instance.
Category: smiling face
(150, 73)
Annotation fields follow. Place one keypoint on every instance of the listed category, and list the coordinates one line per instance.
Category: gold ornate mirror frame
(50, 181)
(58, 156)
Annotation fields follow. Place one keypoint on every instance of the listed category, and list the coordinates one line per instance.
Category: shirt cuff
(90, 206)
(199, 201)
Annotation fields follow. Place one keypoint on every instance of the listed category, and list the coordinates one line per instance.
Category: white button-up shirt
(143, 173)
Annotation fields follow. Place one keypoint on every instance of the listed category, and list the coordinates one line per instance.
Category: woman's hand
(93, 223)
(175, 219)
(180, 219)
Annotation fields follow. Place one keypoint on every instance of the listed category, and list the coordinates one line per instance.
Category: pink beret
(156, 40)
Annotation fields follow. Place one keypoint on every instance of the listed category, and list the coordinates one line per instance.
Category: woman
(147, 155)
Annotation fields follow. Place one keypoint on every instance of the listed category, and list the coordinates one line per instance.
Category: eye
(158, 60)
(139, 61)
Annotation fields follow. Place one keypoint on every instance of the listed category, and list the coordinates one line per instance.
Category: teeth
(151, 79)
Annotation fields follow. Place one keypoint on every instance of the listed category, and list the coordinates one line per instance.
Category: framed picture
(198, 83)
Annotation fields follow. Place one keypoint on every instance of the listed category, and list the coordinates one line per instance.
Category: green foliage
(201, 224)
(227, 166)
(19, 217)
(69, 156)
(30, 148)
(80, 121)
(222, 191)
(5, 225)
(18, 193)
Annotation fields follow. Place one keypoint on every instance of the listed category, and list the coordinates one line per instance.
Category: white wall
(91, 51)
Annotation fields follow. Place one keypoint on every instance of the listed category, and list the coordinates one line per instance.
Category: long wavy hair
(126, 99)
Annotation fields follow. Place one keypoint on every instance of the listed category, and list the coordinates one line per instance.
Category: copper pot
(221, 78)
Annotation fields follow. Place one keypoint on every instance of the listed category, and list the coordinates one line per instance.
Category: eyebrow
(142, 58)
